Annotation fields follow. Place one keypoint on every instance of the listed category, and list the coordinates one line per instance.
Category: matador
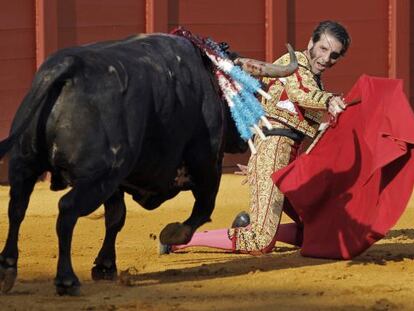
(296, 109)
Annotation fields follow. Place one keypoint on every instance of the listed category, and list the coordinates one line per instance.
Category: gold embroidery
(313, 101)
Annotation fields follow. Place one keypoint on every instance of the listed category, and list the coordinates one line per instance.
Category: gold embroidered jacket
(297, 100)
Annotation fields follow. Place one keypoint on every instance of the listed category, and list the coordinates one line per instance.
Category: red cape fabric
(356, 182)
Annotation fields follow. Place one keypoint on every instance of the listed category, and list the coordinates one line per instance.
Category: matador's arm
(308, 98)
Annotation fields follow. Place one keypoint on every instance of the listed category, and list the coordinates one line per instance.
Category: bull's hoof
(8, 273)
(7, 278)
(67, 287)
(164, 249)
(176, 233)
(68, 291)
(103, 273)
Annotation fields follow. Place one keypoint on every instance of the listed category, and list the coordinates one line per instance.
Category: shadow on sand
(397, 245)
(282, 258)
(230, 266)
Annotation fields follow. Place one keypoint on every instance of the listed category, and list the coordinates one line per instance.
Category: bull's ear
(224, 46)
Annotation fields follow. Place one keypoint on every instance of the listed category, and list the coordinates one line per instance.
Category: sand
(201, 278)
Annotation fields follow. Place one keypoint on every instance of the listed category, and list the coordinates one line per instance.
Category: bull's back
(136, 102)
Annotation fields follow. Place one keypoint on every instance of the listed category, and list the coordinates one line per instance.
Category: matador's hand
(242, 168)
(336, 106)
(243, 171)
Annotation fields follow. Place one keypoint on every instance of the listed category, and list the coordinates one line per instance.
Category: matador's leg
(266, 201)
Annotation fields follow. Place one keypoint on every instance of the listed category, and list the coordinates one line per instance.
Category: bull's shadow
(225, 266)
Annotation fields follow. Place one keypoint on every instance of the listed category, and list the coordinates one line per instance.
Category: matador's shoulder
(285, 59)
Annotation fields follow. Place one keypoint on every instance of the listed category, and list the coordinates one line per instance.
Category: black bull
(142, 116)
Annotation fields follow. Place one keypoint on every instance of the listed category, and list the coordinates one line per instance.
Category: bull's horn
(292, 66)
(261, 69)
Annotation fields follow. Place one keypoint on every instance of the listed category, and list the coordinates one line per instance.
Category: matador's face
(324, 53)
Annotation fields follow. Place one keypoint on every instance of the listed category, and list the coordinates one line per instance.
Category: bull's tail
(49, 74)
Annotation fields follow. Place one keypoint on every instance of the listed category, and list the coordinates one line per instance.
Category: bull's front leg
(206, 177)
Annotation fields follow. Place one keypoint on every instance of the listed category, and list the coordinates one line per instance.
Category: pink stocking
(286, 233)
(212, 238)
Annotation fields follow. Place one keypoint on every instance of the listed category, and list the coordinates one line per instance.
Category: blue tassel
(252, 104)
(248, 116)
(241, 125)
(244, 79)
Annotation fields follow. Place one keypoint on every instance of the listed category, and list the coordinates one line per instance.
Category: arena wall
(381, 30)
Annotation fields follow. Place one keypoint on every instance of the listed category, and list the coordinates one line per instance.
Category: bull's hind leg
(80, 201)
(22, 180)
(105, 262)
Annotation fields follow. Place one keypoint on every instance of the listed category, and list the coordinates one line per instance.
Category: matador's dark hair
(335, 29)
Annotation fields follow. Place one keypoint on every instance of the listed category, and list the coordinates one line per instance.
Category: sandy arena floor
(200, 278)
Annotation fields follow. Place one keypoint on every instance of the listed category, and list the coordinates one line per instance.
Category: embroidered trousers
(266, 201)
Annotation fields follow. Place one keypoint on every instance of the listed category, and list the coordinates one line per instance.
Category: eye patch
(334, 55)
